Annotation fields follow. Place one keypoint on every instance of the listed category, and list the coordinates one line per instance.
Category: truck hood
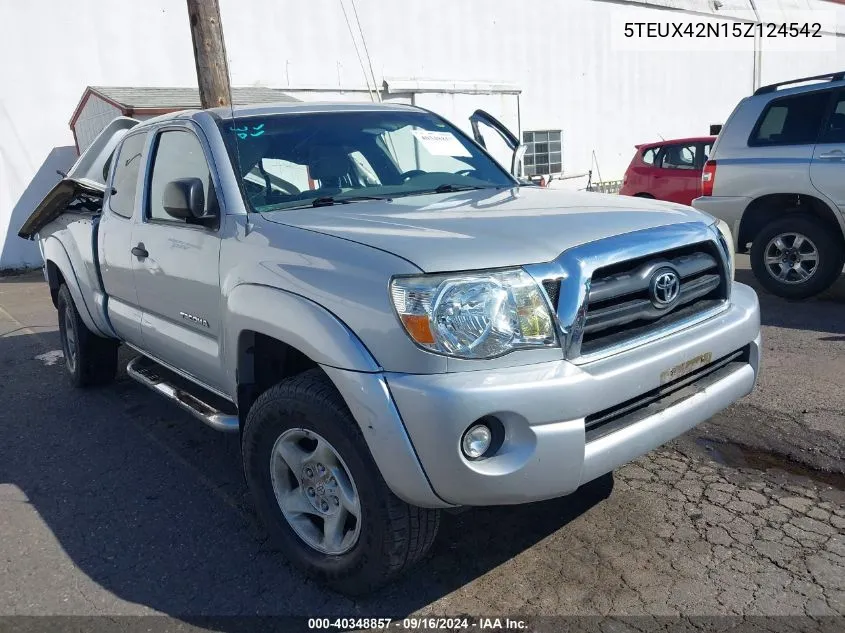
(486, 228)
(87, 195)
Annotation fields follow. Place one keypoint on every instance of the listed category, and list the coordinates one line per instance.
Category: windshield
(294, 160)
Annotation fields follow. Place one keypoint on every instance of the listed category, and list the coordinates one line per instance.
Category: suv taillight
(708, 178)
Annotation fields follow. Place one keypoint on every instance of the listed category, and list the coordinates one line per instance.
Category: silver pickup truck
(390, 321)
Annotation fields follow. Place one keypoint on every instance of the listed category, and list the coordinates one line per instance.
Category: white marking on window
(441, 143)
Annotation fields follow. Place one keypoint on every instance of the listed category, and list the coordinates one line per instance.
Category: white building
(556, 66)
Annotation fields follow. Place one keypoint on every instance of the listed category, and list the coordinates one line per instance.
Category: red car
(668, 170)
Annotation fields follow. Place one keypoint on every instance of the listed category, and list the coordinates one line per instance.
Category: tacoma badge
(195, 319)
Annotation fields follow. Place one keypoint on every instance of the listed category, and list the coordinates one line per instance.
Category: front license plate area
(687, 367)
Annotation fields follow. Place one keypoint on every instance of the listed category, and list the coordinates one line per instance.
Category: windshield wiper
(444, 188)
(451, 188)
(327, 201)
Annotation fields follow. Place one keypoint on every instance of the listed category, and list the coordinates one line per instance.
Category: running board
(175, 388)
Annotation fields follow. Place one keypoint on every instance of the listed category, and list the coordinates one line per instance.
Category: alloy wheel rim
(791, 258)
(70, 343)
(315, 491)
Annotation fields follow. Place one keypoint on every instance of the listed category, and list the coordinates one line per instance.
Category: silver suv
(776, 175)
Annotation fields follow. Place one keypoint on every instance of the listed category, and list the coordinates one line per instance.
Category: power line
(366, 51)
(357, 52)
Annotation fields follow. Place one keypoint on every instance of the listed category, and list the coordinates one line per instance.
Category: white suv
(776, 175)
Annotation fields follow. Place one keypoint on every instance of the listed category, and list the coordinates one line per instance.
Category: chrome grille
(601, 282)
(623, 302)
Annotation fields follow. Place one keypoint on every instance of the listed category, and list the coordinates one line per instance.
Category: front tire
(796, 257)
(89, 359)
(320, 494)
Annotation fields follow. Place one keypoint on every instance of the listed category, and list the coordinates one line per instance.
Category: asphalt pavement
(114, 502)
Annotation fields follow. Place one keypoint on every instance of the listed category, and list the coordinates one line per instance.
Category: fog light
(476, 441)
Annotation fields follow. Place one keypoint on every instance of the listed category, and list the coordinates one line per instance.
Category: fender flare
(830, 208)
(320, 335)
(54, 252)
(294, 320)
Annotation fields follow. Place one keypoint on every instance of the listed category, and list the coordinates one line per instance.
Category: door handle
(836, 154)
(139, 251)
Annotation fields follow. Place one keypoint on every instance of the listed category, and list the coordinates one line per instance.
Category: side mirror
(184, 199)
(516, 163)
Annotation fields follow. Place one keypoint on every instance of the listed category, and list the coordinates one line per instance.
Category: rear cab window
(271, 178)
(125, 182)
(794, 120)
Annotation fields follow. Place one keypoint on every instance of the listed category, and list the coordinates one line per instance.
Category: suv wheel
(796, 257)
(320, 494)
(89, 359)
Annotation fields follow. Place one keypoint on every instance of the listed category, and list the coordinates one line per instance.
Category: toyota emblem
(664, 288)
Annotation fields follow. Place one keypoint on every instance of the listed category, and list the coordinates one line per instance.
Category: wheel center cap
(320, 488)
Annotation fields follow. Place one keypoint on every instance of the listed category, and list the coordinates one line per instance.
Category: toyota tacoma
(392, 321)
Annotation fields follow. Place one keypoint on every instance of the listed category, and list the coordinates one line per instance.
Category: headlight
(474, 315)
(727, 242)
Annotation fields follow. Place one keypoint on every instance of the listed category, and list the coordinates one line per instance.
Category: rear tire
(305, 419)
(797, 256)
(89, 359)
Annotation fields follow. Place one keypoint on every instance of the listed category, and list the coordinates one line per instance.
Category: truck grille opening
(645, 405)
(552, 288)
(625, 299)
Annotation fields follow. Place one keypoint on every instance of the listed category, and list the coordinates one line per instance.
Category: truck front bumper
(545, 410)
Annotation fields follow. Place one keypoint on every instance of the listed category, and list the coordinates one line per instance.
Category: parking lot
(113, 501)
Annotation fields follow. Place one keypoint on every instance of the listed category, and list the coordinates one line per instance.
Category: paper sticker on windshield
(441, 143)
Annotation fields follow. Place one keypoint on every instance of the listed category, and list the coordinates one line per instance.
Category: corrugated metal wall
(558, 52)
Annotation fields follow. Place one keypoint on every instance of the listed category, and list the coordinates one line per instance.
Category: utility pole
(209, 53)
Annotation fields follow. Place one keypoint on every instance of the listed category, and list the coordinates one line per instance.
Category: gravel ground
(113, 502)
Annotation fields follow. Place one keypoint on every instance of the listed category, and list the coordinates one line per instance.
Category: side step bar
(173, 387)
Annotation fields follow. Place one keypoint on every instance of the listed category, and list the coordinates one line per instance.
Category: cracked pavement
(114, 502)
